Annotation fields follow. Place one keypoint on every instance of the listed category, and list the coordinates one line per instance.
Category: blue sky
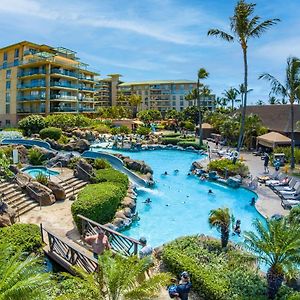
(157, 39)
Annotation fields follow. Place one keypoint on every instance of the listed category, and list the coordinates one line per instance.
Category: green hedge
(111, 175)
(214, 274)
(26, 237)
(172, 140)
(220, 165)
(100, 163)
(186, 144)
(51, 133)
(32, 124)
(171, 135)
(98, 202)
(142, 130)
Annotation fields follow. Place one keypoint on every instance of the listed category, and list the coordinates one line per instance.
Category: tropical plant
(35, 157)
(41, 178)
(276, 244)
(143, 130)
(51, 133)
(65, 121)
(220, 218)
(231, 96)
(100, 163)
(119, 278)
(4, 166)
(259, 102)
(289, 89)
(243, 27)
(134, 101)
(32, 124)
(272, 100)
(21, 279)
(149, 115)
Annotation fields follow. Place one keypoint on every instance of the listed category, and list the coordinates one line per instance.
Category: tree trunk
(199, 111)
(241, 136)
(232, 104)
(274, 279)
(224, 237)
(292, 136)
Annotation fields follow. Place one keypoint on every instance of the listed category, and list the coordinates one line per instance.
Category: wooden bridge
(68, 254)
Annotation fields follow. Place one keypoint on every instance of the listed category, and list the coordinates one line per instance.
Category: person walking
(99, 242)
(266, 163)
(184, 286)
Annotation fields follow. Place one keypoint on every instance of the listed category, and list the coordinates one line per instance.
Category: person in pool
(166, 173)
(237, 227)
(210, 192)
(147, 201)
(252, 203)
(176, 171)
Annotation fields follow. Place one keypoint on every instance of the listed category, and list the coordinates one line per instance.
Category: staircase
(73, 186)
(16, 198)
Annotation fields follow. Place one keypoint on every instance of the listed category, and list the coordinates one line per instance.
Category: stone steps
(16, 198)
(73, 186)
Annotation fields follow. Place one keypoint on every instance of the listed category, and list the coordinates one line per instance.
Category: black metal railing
(119, 242)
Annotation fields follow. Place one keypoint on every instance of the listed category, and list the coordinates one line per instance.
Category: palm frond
(277, 87)
(262, 27)
(221, 34)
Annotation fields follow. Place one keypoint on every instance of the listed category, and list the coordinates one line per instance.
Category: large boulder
(54, 144)
(83, 170)
(57, 190)
(40, 193)
(233, 182)
(80, 145)
(137, 165)
(23, 179)
(7, 215)
(60, 159)
(129, 202)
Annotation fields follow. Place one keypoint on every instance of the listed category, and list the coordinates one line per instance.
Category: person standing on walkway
(99, 242)
(184, 286)
(266, 163)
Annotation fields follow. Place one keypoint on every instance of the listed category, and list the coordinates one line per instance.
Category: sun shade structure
(273, 139)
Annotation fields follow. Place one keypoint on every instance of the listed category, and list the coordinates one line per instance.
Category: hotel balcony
(31, 98)
(30, 110)
(63, 109)
(86, 78)
(36, 73)
(85, 88)
(63, 84)
(86, 109)
(56, 71)
(61, 98)
(86, 99)
(41, 84)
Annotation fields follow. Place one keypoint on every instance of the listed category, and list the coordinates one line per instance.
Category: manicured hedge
(221, 165)
(172, 140)
(186, 144)
(111, 175)
(171, 135)
(32, 124)
(26, 237)
(214, 274)
(98, 202)
(51, 133)
(100, 163)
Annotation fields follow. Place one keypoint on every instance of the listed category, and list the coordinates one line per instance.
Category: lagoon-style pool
(181, 203)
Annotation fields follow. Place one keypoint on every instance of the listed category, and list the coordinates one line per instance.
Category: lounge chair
(289, 187)
(295, 190)
(281, 180)
(289, 203)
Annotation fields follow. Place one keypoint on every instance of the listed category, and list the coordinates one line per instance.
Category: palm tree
(243, 27)
(290, 89)
(259, 102)
(21, 279)
(231, 95)
(272, 100)
(135, 100)
(202, 74)
(220, 218)
(277, 245)
(118, 278)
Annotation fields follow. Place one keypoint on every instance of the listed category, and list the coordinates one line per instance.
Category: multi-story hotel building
(40, 79)
(164, 94)
(106, 91)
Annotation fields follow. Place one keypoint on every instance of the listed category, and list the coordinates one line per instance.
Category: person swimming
(252, 203)
(210, 192)
(147, 201)
(237, 228)
(176, 171)
(165, 173)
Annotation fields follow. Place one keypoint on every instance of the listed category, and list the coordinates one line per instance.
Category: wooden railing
(119, 242)
(64, 250)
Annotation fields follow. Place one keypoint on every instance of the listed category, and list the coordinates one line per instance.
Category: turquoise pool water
(34, 171)
(181, 203)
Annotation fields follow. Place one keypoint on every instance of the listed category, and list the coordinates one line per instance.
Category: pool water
(35, 171)
(181, 203)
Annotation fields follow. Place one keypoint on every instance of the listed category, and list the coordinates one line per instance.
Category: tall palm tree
(21, 279)
(135, 100)
(202, 74)
(231, 95)
(118, 278)
(243, 27)
(220, 218)
(289, 89)
(272, 100)
(277, 244)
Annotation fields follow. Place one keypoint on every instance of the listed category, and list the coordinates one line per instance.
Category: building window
(181, 103)
(181, 97)
(174, 103)
(173, 97)
(16, 62)
(8, 74)
(16, 53)
(7, 97)
(7, 85)
(7, 109)
(4, 66)
(181, 87)
(4, 56)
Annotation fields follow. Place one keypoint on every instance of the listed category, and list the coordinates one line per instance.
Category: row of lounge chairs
(287, 188)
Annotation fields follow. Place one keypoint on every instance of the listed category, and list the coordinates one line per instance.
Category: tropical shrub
(188, 125)
(115, 130)
(215, 275)
(143, 130)
(98, 202)
(223, 166)
(185, 144)
(42, 178)
(102, 128)
(111, 175)
(73, 162)
(35, 157)
(32, 124)
(65, 121)
(171, 140)
(149, 115)
(63, 139)
(171, 135)
(100, 163)
(52, 133)
(24, 237)
(124, 129)
(288, 153)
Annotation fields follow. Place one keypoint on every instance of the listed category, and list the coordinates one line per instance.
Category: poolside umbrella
(272, 139)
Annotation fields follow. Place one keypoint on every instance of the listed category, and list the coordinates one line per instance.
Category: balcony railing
(84, 88)
(64, 84)
(30, 111)
(63, 97)
(31, 85)
(87, 99)
(64, 72)
(82, 77)
(81, 109)
(31, 98)
(30, 73)
(63, 109)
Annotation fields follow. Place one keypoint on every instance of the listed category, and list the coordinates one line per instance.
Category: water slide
(26, 142)
(117, 164)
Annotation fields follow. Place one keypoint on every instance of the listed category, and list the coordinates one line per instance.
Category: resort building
(277, 118)
(164, 94)
(106, 91)
(40, 79)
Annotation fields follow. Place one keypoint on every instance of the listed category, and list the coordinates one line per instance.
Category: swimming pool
(34, 171)
(181, 203)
